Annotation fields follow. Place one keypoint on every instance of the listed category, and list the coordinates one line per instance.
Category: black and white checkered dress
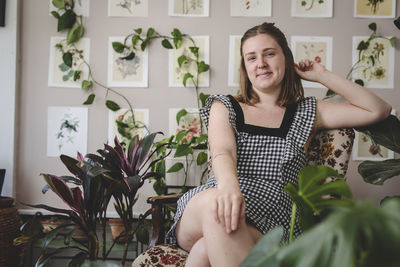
(267, 159)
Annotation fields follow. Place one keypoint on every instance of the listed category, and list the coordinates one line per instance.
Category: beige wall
(35, 96)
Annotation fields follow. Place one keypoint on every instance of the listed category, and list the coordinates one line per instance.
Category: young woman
(257, 142)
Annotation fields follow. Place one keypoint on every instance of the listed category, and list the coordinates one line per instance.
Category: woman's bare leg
(222, 249)
(198, 255)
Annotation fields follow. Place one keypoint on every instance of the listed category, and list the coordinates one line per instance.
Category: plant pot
(117, 227)
(10, 222)
(178, 178)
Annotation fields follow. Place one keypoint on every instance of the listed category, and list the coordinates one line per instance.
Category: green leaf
(183, 150)
(264, 252)
(363, 46)
(377, 172)
(176, 167)
(77, 75)
(393, 41)
(142, 235)
(312, 193)
(75, 34)
(181, 113)
(360, 82)
(135, 40)
(66, 21)
(90, 99)
(363, 235)
(55, 14)
(138, 31)
(112, 105)
(118, 47)
(372, 60)
(203, 138)
(181, 136)
(372, 26)
(202, 158)
(129, 57)
(385, 133)
(187, 75)
(181, 60)
(86, 84)
(67, 59)
(144, 44)
(58, 3)
(194, 50)
(63, 67)
(177, 38)
(203, 67)
(166, 44)
(150, 32)
(203, 98)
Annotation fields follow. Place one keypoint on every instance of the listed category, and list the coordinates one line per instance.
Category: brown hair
(292, 89)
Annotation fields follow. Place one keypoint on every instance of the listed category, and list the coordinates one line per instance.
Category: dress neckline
(261, 130)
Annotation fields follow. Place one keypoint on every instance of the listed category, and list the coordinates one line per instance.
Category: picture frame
(128, 8)
(376, 10)
(314, 48)
(190, 121)
(312, 8)
(182, 8)
(81, 8)
(251, 8)
(61, 75)
(364, 149)
(234, 61)
(176, 73)
(378, 73)
(126, 73)
(67, 129)
(123, 115)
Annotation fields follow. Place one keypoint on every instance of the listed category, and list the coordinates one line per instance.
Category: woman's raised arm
(364, 107)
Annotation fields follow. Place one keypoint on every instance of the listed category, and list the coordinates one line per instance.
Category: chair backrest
(332, 148)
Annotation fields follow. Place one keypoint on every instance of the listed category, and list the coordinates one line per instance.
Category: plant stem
(292, 221)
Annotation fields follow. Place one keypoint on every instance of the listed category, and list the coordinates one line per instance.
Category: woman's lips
(265, 74)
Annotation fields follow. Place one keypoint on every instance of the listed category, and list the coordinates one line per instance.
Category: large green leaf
(181, 113)
(265, 251)
(66, 21)
(176, 167)
(75, 34)
(360, 236)
(58, 3)
(312, 192)
(377, 172)
(183, 150)
(385, 133)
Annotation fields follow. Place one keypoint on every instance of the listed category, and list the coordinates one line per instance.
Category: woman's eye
(269, 54)
(250, 58)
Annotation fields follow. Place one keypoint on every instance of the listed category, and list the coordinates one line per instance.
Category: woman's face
(265, 62)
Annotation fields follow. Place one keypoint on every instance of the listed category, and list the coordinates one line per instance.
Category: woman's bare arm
(364, 107)
(229, 205)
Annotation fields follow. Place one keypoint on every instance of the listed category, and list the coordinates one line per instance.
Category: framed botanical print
(234, 60)
(126, 72)
(313, 48)
(189, 8)
(128, 8)
(375, 8)
(312, 8)
(251, 8)
(375, 67)
(81, 7)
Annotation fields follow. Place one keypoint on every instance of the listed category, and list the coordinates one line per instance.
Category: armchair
(328, 147)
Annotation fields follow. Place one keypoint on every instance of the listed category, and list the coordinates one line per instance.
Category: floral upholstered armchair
(328, 147)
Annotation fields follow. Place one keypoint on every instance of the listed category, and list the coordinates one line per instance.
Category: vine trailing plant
(139, 39)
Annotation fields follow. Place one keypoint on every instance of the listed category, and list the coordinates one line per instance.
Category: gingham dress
(267, 159)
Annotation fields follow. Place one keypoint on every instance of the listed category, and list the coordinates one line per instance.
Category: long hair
(292, 90)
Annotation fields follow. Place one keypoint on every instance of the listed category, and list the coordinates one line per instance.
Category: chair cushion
(161, 255)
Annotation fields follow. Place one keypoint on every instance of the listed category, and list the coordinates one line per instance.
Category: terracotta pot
(117, 227)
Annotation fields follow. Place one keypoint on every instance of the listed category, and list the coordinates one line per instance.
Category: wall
(35, 96)
(8, 78)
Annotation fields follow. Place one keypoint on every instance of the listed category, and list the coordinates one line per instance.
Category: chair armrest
(158, 210)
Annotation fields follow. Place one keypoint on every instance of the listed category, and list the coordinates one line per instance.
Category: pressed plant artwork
(374, 62)
(313, 48)
(195, 8)
(128, 8)
(124, 126)
(66, 130)
(234, 60)
(81, 7)
(251, 8)
(375, 8)
(312, 8)
(366, 149)
(188, 120)
(66, 66)
(126, 72)
(183, 62)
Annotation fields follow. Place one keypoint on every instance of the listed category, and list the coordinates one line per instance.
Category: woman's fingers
(221, 207)
(228, 212)
(236, 212)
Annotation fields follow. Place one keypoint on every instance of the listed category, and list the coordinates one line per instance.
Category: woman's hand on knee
(229, 207)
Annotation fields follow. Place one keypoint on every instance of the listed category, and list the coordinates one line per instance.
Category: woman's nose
(262, 63)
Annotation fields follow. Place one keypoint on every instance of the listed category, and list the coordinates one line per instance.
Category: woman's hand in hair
(309, 70)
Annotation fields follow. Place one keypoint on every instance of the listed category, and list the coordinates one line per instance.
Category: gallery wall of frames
(53, 120)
